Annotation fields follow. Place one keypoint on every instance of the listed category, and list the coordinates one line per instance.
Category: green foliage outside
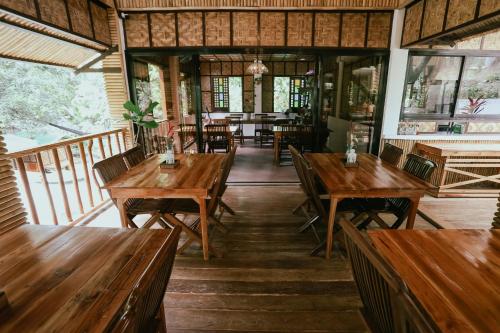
(235, 94)
(32, 97)
(281, 93)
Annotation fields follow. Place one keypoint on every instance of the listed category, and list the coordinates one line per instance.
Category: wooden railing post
(27, 189)
(109, 145)
(83, 157)
(101, 147)
(57, 164)
(91, 156)
(45, 183)
(69, 155)
(117, 138)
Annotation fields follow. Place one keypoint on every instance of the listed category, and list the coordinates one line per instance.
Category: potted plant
(140, 118)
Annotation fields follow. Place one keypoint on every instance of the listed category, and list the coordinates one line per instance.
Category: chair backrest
(268, 122)
(306, 136)
(187, 134)
(296, 159)
(145, 302)
(387, 305)
(391, 154)
(221, 121)
(310, 180)
(134, 156)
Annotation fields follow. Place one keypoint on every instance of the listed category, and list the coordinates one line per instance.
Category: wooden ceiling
(129, 5)
(252, 57)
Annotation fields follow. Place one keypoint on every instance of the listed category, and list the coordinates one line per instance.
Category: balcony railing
(58, 180)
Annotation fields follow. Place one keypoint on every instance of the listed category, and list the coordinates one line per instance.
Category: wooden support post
(57, 164)
(117, 138)
(91, 156)
(101, 147)
(110, 146)
(27, 189)
(71, 161)
(47, 187)
(86, 173)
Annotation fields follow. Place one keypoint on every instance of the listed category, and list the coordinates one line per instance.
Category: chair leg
(218, 224)
(152, 220)
(309, 223)
(398, 222)
(226, 207)
(365, 223)
(299, 206)
(320, 247)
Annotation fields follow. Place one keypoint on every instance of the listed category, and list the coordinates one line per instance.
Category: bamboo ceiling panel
(327, 29)
(215, 68)
(101, 27)
(54, 12)
(459, 12)
(488, 7)
(245, 29)
(299, 29)
(217, 29)
(163, 29)
(433, 17)
(79, 15)
(237, 68)
(353, 30)
(413, 17)
(227, 69)
(272, 29)
(137, 34)
(379, 30)
(26, 6)
(190, 28)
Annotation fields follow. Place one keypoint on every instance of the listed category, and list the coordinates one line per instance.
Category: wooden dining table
(453, 274)
(193, 178)
(373, 178)
(74, 279)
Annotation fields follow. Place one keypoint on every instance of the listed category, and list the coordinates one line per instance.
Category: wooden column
(173, 65)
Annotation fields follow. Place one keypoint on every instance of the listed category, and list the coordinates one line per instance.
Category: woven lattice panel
(215, 68)
(302, 68)
(101, 27)
(190, 28)
(489, 6)
(267, 94)
(217, 29)
(248, 83)
(290, 68)
(245, 66)
(206, 85)
(412, 22)
(379, 30)
(162, 29)
(54, 11)
(26, 6)
(433, 17)
(269, 66)
(226, 68)
(278, 68)
(206, 101)
(237, 68)
(272, 29)
(299, 29)
(353, 30)
(136, 28)
(245, 29)
(460, 11)
(248, 101)
(80, 19)
(326, 29)
(205, 68)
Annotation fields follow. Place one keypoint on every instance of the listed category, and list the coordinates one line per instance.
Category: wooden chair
(144, 311)
(221, 121)
(114, 166)
(236, 121)
(387, 304)
(306, 138)
(264, 129)
(391, 154)
(134, 156)
(217, 138)
(416, 165)
(188, 135)
(289, 137)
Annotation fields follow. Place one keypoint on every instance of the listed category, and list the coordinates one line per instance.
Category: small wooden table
(372, 179)
(193, 178)
(454, 274)
(73, 279)
(462, 165)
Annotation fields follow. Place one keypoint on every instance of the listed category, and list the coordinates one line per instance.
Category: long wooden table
(464, 169)
(373, 178)
(73, 279)
(454, 274)
(193, 178)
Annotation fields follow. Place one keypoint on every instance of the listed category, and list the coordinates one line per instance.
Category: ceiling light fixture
(257, 67)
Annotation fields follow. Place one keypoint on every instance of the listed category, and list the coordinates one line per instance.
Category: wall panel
(299, 30)
(190, 28)
(217, 29)
(353, 30)
(26, 7)
(459, 12)
(433, 17)
(163, 29)
(54, 12)
(488, 7)
(245, 29)
(413, 20)
(79, 14)
(100, 20)
(327, 29)
(137, 34)
(272, 29)
(379, 30)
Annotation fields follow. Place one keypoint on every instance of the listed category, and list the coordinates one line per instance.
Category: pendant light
(257, 67)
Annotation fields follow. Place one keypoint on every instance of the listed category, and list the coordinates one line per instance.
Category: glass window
(281, 100)
(220, 91)
(235, 94)
(480, 87)
(431, 83)
(297, 97)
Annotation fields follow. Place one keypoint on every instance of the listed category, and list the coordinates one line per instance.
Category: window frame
(290, 79)
(464, 55)
(212, 92)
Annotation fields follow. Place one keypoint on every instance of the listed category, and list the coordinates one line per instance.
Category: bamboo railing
(76, 155)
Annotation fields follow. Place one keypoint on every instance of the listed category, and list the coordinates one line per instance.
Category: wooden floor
(267, 282)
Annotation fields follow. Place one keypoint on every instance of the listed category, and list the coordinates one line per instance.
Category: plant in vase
(141, 118)
(352, 141)
(169, 153)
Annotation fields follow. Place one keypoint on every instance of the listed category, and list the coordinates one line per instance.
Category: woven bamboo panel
(302, 68)
(54, 11)
(227, 68)
(489, 6)
(26, 7)
(245, 29)
(206, 85)
(80, 19)
(492, 41)
(100, 19)
(205, 68)
(248, 83)
(299, 29)
(412, 22)
(272, 29)
(269, 66)
(190, 29)
(237, 68)
(326, 29)
(267, 94)
(460, 11)
(217, 29)
(162, 29)
(379, 30)
(353, 30)
(206, 101)
(248, 105)
(141, 71)
(433, 17)
(136, 28)
(215, 68)
(278, 68)
(245, 66)
(290, 68)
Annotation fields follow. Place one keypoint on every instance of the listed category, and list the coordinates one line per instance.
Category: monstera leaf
(137, 116)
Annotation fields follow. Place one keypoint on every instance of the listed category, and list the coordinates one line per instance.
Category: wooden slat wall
(428, 20)
(12, 212)
(258, 28)
(83, 18)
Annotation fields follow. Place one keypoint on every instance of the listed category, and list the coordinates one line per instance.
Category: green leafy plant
(141, 118)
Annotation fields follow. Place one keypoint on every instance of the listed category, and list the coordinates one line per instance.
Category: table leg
(331, 222)
(276, 149)
(204, 227)
(120, 203)
(412, 213)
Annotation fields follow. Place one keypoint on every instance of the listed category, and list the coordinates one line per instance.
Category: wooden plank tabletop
(454, 274)
(194, 177)
(72, 279)
(372, 178)
(459, 149)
